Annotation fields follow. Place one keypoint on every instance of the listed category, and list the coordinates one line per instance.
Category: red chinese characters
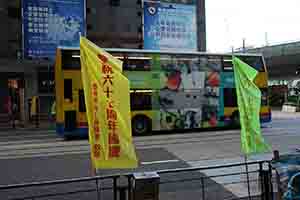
(112, 125)
(107, 75)
(96, 148)
(111, 114)
(114, 151)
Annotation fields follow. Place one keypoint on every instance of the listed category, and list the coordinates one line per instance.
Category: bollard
(37, 120)
(203, 188)
(145, 186)
(266, 184)
(122, 193)
(115, 188)
(276, 154)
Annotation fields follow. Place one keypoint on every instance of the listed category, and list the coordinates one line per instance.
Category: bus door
(71, 88)
(141, 111)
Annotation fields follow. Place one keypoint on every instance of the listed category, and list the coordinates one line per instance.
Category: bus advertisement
(168, 90)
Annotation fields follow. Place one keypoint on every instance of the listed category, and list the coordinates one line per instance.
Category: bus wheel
(235, 119)
(141, 125)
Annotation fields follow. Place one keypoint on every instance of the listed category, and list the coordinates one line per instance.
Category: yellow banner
(106, 93)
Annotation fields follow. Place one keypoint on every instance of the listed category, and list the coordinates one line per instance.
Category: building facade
(109, 24)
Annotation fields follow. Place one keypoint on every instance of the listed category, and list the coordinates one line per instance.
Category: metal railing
(206, 189)
(94, 186)
(203, 183)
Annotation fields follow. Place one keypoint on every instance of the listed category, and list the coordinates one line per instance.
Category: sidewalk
(278, 114)
(236, 184)
(29, 127)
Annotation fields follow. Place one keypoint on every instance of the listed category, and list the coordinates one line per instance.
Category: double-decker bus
(168, 90)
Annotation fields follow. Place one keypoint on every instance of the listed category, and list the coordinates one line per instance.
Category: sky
(259, 22)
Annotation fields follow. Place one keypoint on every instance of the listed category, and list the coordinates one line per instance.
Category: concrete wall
(4, 28)
(201, 25)
(108, 26)
(114, 26)
(119, 26)
(23, 70)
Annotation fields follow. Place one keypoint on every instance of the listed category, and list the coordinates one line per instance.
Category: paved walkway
(277, 114)
(43, 125)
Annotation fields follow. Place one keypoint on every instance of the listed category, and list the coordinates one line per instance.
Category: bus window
(81, 104)
(135, 62)
(227, 63)
(254, 61)
(210, 63)
(230, 98)
(140, 100)
(68, 89)
(70, 60)
(167, 63)
(186, 64)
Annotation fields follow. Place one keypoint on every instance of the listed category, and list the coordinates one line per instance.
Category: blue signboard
(51, 23)
(169, 26)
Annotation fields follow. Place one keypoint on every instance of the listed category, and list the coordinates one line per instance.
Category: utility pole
(266, 39)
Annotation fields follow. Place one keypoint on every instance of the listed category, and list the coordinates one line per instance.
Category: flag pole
(245, 155)
(94, 173)
(248, 181)
(97, 184)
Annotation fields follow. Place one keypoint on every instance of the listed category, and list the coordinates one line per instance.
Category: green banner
(249, 100)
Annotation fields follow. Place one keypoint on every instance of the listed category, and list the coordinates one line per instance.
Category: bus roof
(120, 50)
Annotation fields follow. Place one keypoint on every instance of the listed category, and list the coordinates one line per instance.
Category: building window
(14, 12)
(127, 27)
(112, 27)
(115, 2)
(91, 11)
(89, 27)
(46, 81)
(88, 10)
